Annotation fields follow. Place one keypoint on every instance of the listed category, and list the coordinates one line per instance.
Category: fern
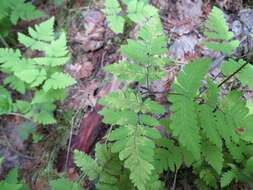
(64, 184)
(39, 72)
(168, 156)
(11, 182)
(6, 104)
(112, 11)
(219, 37)
(133, 139)
(184, 120)
(205, 128)
(209, 133)
(18, 9)
(106, 169)
(137, 11)
(227, 178)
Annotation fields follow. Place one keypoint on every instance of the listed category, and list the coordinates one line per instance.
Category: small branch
(175, 180)
(4, 42)
(20, 115)
(233, 74)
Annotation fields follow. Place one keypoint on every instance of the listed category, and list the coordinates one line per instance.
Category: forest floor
(93, 45)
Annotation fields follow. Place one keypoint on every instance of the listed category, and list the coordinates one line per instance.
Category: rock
(183, 45)
(89, 33)
(237, 28)
(82, 68)
(190, 9)
(246, 17)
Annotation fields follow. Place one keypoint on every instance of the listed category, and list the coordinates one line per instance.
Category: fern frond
(6, 104)
(208, 177)
(112, 11)
(106, 169)
(209, 125)
(138, 11)
(19, 9)
(213, 155)
(87, 164)
(5, 8)
(9, 59)
(58, 81)
(188, 84)
(42, 113)
(136, 149)
(227, 178)
(15, 83)
(11, 181)
(64, 184)
(127, 72)
(184, 120)
(212, 94)
(41, 36)
(24, 11)
(167, 156)
(217, 31)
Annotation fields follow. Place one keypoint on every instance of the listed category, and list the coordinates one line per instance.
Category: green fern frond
(213, 155)
(5, 7)
(138, 11)
(135, 148)
(188, 84)
(24, 11)
(6, 105)
(11, 182)
(64, 184)
(9, 59)
(19, 9)
(208, 177)
(58, 81)
(42, 113)
(184, 120)
(127, 72)
(167, 156)
(209, 125)
(106, 169)
(112, 11)
(227, 178)
(219, 37)
(15, 83)
(87, 164)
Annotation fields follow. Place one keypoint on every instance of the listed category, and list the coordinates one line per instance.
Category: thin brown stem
(233, 74)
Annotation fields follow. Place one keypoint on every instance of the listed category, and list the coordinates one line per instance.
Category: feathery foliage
(133, 138)
(137, 11)
(64, 184)
(18, 9)
(107, 169)
(220, 39)
(11, 182)
(43, 75)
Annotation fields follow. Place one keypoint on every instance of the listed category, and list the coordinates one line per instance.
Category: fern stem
(175, 180)
(233, 74)
(20, 115)
(3, 41)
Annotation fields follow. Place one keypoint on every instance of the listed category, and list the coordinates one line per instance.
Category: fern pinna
(43, 75)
